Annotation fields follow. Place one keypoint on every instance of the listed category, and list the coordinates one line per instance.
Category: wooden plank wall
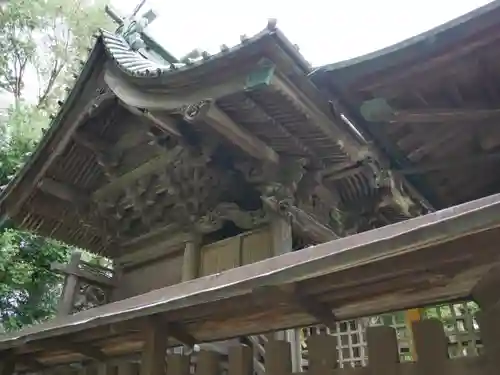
(383, 357)
(246, 248)
(149, 276)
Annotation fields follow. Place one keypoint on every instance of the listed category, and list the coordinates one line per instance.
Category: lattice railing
(460, 326)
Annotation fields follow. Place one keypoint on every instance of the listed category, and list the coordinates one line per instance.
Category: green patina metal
(260, 77)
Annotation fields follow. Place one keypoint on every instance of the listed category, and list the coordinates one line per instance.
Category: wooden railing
(383, 356)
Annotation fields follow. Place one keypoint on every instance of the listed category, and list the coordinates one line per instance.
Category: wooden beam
(88, 277)
(451, 164)
(317, 309)
(445, 115)
(155, 347)
(208, 112)
(191, 260)
(70, 287)
(289, 293)
(304, 222)
(141, 171)
(63, 191)
(90, 141)
(30, 362)
(164, 122)
(102, 150)
(178, 332)
(85, 349)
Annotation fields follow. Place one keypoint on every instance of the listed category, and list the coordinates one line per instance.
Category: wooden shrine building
(228, 190)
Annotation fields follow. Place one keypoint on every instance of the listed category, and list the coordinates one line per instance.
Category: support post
(191, 260)
(281, 231)
(7, 363)
(71, 284)
(155, 347)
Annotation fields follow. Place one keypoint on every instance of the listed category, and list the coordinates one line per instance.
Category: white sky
(326, 31)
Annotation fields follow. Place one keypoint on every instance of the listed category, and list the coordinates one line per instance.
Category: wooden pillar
(71, 285)
(191, 260)
(281, 231)
(155, 347)
(7, 363)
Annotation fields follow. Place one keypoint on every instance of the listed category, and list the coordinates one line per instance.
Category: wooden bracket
(290, 294)
(84, 349)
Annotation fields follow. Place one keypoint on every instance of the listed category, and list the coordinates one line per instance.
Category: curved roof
(421, 46)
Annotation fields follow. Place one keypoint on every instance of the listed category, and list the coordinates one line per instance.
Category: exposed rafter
(352, 147)
(207, 112)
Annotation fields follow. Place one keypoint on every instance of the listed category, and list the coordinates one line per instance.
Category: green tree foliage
(42, 43)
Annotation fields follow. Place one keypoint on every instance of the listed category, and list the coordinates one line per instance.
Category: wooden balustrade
(383, 357)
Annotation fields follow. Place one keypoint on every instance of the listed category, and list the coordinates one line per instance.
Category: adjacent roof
(428, 93)
(420, 261)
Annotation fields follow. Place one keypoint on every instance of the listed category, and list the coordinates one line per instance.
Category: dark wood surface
(433, 258)
(441, 96)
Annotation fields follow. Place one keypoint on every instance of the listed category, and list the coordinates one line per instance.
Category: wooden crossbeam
(63, 191)
(301, 220)
(31, 362)
(91, 142)
(179, 333)
(164, 122)
(210, 114)
(444, 115)
(451, 164)
(88, 277)
(141, 171)
(85, 349)
(289, 293)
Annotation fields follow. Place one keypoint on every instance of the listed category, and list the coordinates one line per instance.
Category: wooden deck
(436, 257)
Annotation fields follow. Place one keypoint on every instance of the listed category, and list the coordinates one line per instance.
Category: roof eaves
(54, 127)
(427, 42)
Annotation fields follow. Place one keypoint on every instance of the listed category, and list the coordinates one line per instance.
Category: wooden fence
(383, 356)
